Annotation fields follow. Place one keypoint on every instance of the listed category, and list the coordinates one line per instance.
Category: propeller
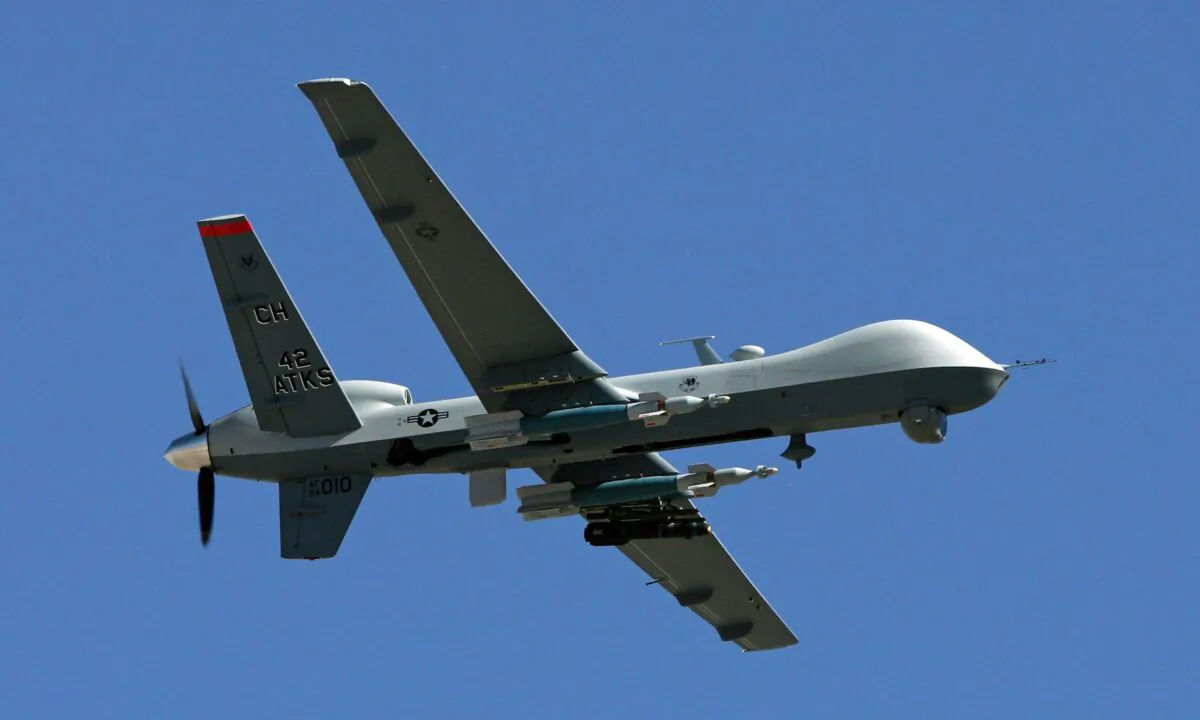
(193, 409)
(206, 486)
(206, 490)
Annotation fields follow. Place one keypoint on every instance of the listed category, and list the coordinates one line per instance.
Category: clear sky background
(1024, 176)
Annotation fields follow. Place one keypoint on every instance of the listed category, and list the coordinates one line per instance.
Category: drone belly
(776, 409)
(238, 448)
(290, 465)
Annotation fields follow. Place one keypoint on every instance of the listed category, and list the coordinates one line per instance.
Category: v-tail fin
(291, 385)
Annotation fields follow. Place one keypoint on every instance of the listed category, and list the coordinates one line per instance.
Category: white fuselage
(865, 376)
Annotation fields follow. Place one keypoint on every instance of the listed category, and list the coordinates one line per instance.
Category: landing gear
(615, 526)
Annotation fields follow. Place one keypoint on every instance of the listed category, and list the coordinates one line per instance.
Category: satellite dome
(747, 352)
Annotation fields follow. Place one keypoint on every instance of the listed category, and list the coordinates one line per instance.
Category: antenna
(704, 351)
(698, 338)
(1020, 364)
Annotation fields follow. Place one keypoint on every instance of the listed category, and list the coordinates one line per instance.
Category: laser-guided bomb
(511, 429)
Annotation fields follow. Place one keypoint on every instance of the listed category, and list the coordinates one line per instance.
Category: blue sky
(1021, 175)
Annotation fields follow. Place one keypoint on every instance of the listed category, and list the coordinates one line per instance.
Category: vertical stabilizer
(292, 387)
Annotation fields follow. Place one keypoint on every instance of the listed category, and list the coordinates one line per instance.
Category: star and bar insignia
(427, 417)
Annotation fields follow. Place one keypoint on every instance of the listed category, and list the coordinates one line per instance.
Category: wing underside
(514, 354)
(699, 572)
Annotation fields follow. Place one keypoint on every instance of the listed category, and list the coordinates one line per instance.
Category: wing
(292, 387)
(316, 512)
(502, 337)
(699, 573)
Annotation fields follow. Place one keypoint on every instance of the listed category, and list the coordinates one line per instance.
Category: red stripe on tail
(237, 227)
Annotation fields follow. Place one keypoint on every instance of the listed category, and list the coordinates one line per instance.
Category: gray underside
(811, 408)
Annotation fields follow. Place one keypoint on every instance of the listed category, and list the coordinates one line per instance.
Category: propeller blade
(193, 409)
(206, 490)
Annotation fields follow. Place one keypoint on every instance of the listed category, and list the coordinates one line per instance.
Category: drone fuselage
(867, 376)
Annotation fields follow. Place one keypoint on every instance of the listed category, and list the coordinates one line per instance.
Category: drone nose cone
(189, 452)
(993, 381)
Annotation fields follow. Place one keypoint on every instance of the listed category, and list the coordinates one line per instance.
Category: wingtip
(222, 219)
(325, 81)
(323, 86)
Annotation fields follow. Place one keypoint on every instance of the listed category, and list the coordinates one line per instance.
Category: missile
(574, 420)
(655, 409)
(715, 479)
(512, 428)
(648, 405)
(558, 499)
